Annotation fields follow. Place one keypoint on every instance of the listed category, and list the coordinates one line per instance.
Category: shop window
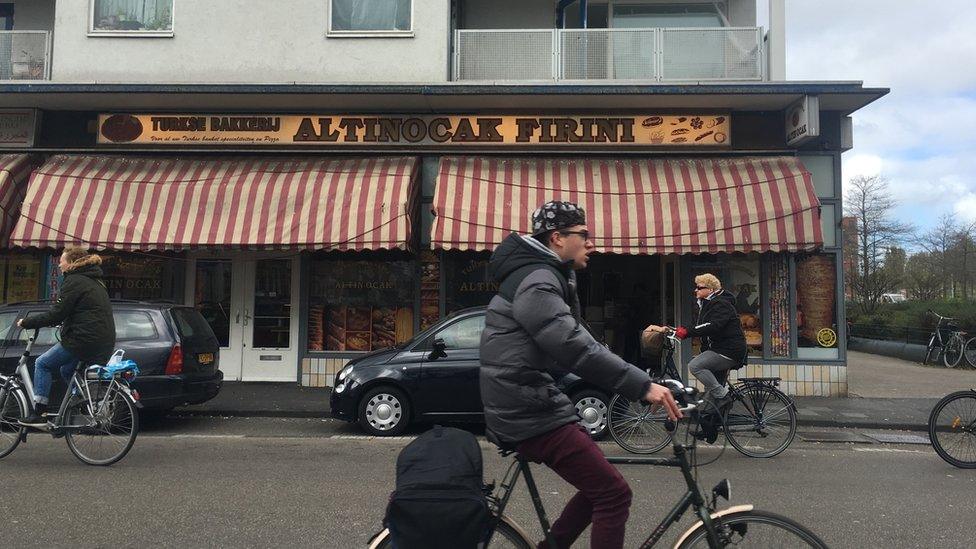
(20, 279)
(366, 16)
(740, 276)
(142, 277)
(140, 17)
(360, 305)
(816, 307)
(828, 223)
(779, 306)
(467, 281)
(430, 289)
(821, 170)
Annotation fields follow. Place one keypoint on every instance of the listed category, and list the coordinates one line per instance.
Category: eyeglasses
(584, 234)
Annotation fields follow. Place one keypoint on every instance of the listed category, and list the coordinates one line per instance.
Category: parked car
(434, 377)
(177, 352)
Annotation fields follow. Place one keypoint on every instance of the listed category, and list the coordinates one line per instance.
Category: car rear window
(192, 326)
(133, 325)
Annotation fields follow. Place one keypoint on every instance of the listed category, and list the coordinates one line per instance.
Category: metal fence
(25, 55)
(673, 54)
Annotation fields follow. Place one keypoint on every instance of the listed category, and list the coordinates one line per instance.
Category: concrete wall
(33, 14)
(244, 41)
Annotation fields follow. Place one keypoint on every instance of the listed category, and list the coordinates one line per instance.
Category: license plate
(205, 358)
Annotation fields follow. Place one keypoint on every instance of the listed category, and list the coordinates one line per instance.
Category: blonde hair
(708, 280)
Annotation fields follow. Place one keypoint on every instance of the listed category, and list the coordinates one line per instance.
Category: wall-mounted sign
(17, 128)
(803, 120)
(708, 129)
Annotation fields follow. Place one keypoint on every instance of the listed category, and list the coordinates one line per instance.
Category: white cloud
(922, 136)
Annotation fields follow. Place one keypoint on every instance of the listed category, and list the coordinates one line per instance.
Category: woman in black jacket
(87, 328)
(723, 343)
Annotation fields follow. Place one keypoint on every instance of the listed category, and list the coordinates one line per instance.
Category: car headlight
(344, 373)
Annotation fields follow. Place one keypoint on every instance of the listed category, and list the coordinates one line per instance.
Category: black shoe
(723, 404)
(669, 425)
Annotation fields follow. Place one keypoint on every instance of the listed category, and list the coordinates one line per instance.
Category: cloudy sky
(921, 136)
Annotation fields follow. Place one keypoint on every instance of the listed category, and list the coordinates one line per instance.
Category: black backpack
(438, 501)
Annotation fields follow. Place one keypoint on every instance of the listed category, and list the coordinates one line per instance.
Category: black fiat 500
(434, 377)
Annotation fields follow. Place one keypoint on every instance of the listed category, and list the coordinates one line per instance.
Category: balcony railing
(25, 55)
(658, 55)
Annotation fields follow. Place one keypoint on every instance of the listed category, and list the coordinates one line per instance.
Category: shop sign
(17, 128)
(803, 120)
(23, 279)
(703, 129)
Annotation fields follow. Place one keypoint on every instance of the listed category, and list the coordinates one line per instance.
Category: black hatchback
(434, 377)
(177, 352)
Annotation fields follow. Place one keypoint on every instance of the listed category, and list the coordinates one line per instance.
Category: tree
(869, 201)
(922, 277)
(937, 243)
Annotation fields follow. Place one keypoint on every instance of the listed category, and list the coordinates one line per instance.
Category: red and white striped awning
(666, 206)
(139, 203)
(14, 169)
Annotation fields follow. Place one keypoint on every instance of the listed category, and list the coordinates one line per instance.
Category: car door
(449, 372)
(8, 359)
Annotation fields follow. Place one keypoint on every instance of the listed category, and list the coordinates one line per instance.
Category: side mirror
(438, 350)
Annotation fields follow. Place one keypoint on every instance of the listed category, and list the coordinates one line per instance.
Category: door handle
(247, 316)
(237, 319)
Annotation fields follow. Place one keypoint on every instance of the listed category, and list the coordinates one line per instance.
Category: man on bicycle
(87, 326)
(723, 342)
(532, 335)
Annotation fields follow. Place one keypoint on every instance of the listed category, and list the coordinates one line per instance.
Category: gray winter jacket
(535, 336)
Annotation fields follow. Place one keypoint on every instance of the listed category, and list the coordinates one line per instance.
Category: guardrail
(648, 54)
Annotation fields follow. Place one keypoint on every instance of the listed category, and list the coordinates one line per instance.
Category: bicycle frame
(693, 497)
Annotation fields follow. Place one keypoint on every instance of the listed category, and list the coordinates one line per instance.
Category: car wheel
(591, 407)
(384, 411)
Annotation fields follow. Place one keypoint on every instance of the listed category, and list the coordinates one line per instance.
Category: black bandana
(556, 215)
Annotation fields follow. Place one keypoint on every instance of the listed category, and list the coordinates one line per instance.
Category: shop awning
(139, 203)
(14, 169)
(634, 206)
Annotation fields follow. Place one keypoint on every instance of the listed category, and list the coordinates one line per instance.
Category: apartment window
(132, 17)
(370, 17)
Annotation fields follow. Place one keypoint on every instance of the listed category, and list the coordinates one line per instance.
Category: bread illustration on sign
(121, 128)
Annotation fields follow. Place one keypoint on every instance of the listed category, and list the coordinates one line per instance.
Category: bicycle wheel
(13, 409)
(761, 422)
(969, 353)
(106, 436)
(506, 536)
(952, 429)
(952, 353)
(635, 427)
(753, 528)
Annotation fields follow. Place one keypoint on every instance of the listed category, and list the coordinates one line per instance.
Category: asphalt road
(240, 482)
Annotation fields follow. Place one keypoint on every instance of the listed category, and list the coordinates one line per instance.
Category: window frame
(428, 342)
(152, 322)
(331, 33)
(94, 33)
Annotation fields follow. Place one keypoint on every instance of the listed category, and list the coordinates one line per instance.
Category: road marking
(891, 450)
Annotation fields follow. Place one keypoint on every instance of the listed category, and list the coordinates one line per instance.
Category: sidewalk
(886, 393)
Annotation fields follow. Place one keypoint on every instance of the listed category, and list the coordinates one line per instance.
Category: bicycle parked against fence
(761, 421)
(98, 415)
(949, 344)
(739, 526)
(952, 428)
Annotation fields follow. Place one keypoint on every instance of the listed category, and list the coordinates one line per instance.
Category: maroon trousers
(603, 497)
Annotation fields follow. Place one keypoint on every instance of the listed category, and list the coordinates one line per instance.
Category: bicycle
(734, 526)
(950, 341)
(760, 423)
(952, 429)
(98, 416)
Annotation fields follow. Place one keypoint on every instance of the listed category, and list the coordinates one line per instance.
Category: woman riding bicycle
(723, 342)
(87, 326)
